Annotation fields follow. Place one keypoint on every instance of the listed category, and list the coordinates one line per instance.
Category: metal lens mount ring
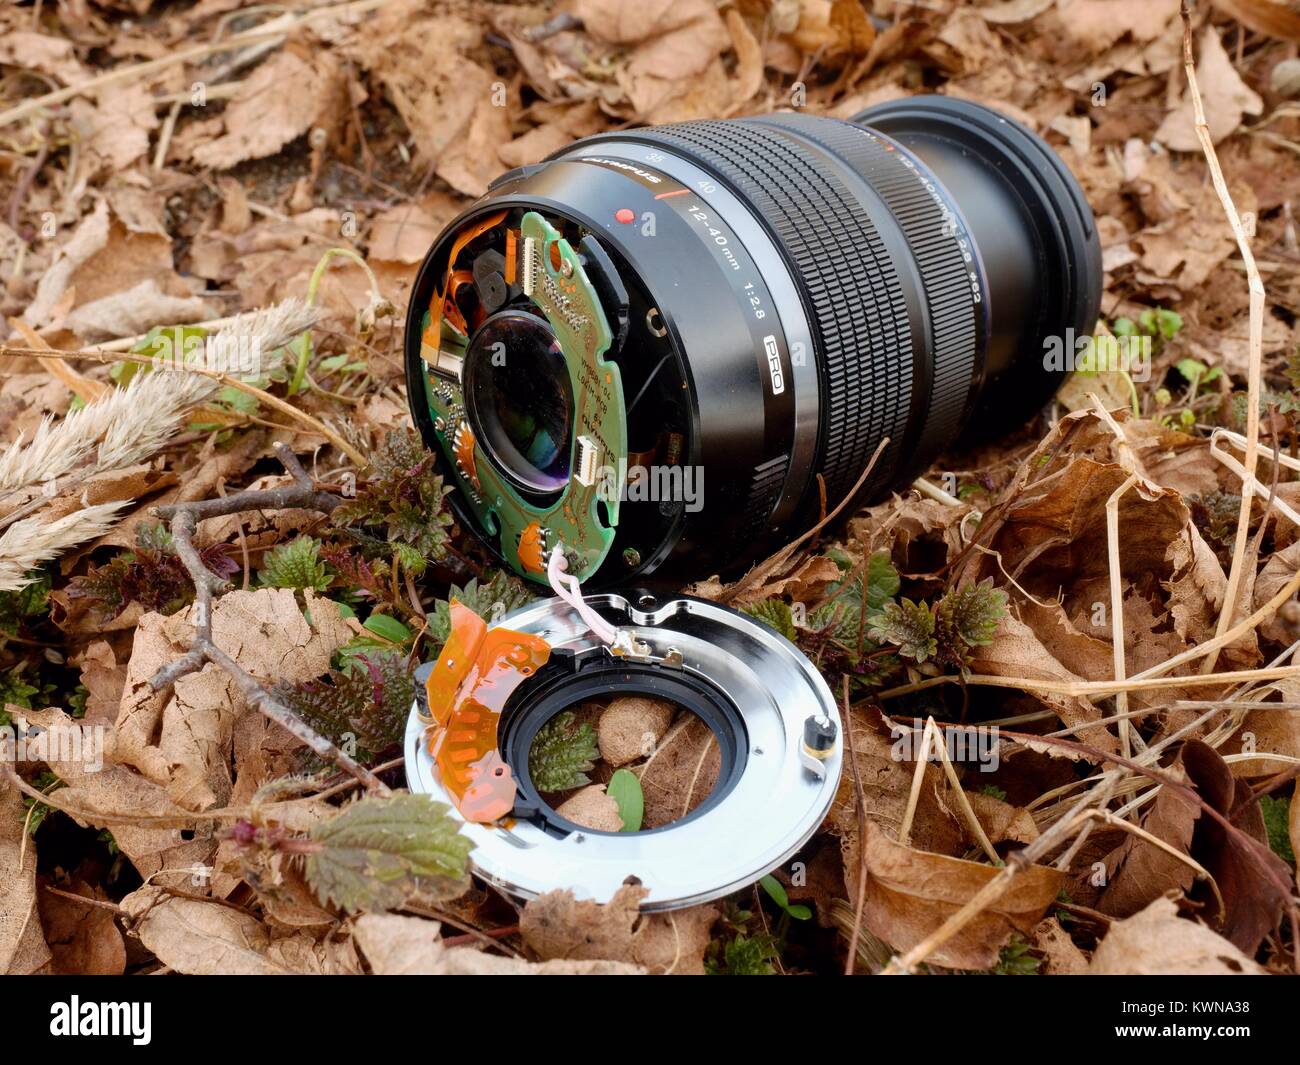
(757, 692)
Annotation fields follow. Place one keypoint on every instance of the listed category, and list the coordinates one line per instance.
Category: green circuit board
(584, 517)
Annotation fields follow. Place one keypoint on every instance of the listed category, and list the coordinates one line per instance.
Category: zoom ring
(954, 316)
(850, 286)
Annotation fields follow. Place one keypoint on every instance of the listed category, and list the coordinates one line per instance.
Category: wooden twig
(184, 517)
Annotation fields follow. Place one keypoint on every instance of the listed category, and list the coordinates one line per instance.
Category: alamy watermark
(83, 744)
(652, 484)
(1098, 354)
(180, 349)
(969, 746)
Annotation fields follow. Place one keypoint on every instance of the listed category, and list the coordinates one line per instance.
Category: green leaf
(775, 890)
(562, 754)
(908, 626)
(296, 565)
(379, 851)
(1192, 369)
(971, 613)
(491, 600)
(1015, 959)
(846, 609)
(775, 614)
(366, 702)
(387, 628)
(625, 789)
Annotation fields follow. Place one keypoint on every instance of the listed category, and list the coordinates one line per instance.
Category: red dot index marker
(625, 215)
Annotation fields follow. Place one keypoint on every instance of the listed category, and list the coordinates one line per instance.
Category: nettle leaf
(296, 565)
(151, 575)
(625, 789)
(562, 754)
(908, 626)
(845, 610)
(491, 600)
(774, 613)
(971, 613)
(378, 852)
(363, 706)
(404, 494)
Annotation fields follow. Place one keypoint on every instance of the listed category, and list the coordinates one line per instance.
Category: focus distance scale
(660, 355)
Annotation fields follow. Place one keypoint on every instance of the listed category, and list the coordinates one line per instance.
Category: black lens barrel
(822, 286)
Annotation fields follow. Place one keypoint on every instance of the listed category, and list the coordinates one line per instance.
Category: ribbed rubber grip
(930, 226)
(850, 287)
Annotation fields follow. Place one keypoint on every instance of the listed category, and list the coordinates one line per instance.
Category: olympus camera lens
(669, 349)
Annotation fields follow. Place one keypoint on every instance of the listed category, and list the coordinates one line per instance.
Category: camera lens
(742, 311)
(519, 400)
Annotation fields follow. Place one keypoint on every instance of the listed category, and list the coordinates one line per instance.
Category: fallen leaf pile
(1069, 664)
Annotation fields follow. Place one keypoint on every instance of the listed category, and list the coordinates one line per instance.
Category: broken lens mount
(745, 310)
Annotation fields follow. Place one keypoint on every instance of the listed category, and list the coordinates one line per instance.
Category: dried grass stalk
(128, 425)
(28, 543)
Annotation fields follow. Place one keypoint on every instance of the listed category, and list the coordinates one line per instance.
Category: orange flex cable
(476, 673)
(433, 333)
(512, 255)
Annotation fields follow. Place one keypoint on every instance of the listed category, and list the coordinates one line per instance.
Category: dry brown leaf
(22, 942)
(680, 772)
(1226, 97)
(1060, 955)
(83, 939)
(419, 60)
(181, 738)
(1273, 18)
(471, 162)
(557, 925)
(1157, 942)
(51, 55)
(402, 234)
(206, 938)
(105, 795)
(408, 946)
(885, 766)
(280, 101)
(910, 893)
(1140, 872)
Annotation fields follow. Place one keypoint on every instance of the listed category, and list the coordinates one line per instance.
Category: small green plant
(363, 707)
(738, 951)
(775, 614)
(406, 498)
(1015, 959)
(18, 608)
(776, 892)
(379, 852)
(491, 600)
(563, 753)
(45, 782)
(946, 632)
(296, 565)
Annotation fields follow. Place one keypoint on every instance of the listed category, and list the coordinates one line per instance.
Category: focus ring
(928, 225)
(852, 289)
